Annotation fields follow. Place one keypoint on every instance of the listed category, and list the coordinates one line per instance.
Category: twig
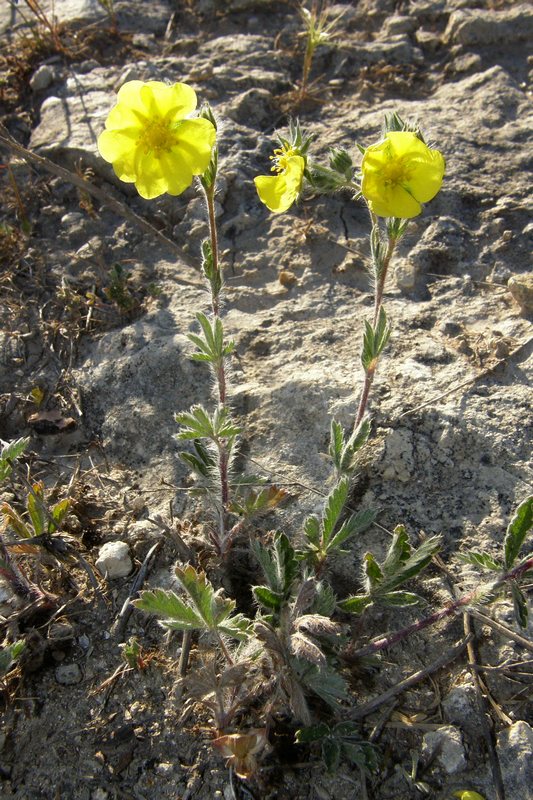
(501, 628)
(481, 708)
(118, 628)
(482, 374)
(416, 677)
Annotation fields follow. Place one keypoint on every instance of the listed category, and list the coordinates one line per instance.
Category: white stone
(42, 78)
(514, 746)
(447, 745)
(114, 560)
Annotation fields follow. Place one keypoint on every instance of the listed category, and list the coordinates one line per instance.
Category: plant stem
(381, 269)
(450, 610)
(220, 372)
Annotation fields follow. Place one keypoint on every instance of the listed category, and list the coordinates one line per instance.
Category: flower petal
(166, 101)
(195, 139)
(115, 144)
(150, 180)
(177, 171)
(395, 201)
(426, 178)
(278, 192)
(405, 143)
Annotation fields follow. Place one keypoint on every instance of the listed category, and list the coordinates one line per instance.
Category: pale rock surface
(114, 560)
(514, 746)
(446, 744)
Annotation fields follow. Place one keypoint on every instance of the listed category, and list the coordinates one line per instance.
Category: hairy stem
(450, 610)
(220, 371)
(381, 269)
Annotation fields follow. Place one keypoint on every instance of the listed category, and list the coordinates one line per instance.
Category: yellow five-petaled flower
(150, 143)
(278, 192)
(399, 174)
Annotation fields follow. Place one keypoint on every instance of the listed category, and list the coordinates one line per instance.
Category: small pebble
(114, 560)
(68, 674)
(287, 278)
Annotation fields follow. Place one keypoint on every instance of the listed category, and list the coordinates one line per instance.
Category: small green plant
(319, 30)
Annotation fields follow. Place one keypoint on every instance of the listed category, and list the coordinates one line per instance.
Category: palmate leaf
(279, 564)
(357, 523)
(343, 453)
(198, 424)
(204, 609)
(211, 346)
(324, 682)
(517, 531)
(335, 503)
(417, 561)
(374, 341)
(9, 453)
(482, 560)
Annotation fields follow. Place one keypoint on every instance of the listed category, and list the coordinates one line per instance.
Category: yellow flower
(278, 192)
(468, 795)
(399, 174)
(150, 144)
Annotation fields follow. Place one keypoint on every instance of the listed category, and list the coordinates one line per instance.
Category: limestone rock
(482, 27)
(514, 746)
(114, 560)
(446, 744)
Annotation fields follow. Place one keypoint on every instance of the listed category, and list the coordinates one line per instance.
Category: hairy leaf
(325, 599)
(481, 560)
(417, 561)
(517, 531)
(175, 613)
(305, 648)
(312, 530)
(278, 563)
(335, 503)
(357, 523)
(399, 551)
(9, 453)
(356, 604)
(520, 605)
(312, 733)
(373, 573)
(36, 510)
(400, 599)
(267, 598)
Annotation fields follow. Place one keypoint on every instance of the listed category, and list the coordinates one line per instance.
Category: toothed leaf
(517, 531)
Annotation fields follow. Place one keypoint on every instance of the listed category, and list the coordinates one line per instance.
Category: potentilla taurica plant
(281, 656)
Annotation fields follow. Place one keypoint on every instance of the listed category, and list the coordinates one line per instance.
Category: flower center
(281, 158)
(396, 172)
(158, 137)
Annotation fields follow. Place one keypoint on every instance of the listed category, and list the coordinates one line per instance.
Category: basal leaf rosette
(151, 143)
(278, 192)
(399, 174)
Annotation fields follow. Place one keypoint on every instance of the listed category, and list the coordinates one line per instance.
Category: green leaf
(197, 424)
(324, 682)
(400, 599)
(357, 523)
(336, 444)
(205, 609)
(267, 598)
(36, 510)
(331, 754)
(481, 560)
(374, 341)
(517, 531)
(312, 733)
(373, 572)
(9, 453)
(9, 655)
(325, 600)
(312, 530)
(59, 511)
(356, 604)
(335, 503)
(279, 564)
(175, 613)
(417, 561)
(399, 551)
(520, 605)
